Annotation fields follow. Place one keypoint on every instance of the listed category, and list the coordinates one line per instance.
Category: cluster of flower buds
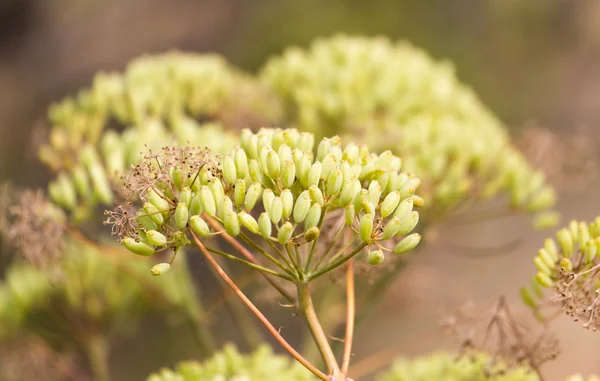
(158, 100)
(229, 364)
(445, 366)
(569, 265)
(394, 96)
(274, 188)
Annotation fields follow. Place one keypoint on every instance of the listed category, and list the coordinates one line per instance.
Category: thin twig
(350, 311)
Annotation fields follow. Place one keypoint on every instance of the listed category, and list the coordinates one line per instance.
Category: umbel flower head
(229, 364)
(394, 96)
(570, 267)
(173, 98)
(274, 189)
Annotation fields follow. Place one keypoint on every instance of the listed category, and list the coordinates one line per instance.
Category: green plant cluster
(394, 96)
(230, 365)
(450, 367)
(174, 98)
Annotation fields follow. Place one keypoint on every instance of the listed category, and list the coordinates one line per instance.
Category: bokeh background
(535, 63)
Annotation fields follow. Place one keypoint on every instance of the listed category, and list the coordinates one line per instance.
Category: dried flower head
(497, 332)
(32, 225)
(569, 265)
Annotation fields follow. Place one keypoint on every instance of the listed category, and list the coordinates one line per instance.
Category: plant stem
(96, 349)
(350, 311)
(257, 312)
(305, 305)
(338, 263)
(249, 264)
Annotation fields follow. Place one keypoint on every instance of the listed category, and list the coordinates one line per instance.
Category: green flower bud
(268, 197)
(547, 258)
(276, 210)
(329, 163)
(408, 223)
(287, 200)
(156, 238)
(252, 196)
(384, 159)
(241, 163)
(239, 192)
(566, 264)
(153, 213)
(285, 153)
(285, 233)
(160, 269)
(323, 148)
(391, 229)
(334, 182)
(316, 195)
(408, 243)
(382, 178)
(231, 224)
(314, 174)
(590, 249)
(208, 201)
(405, 207)
(375, 257)
(306, 142)
(81, 181)
(313, 217)
(544, 280)
(216, 188)
(255, 171)
(390, 203)
(527, 297)
(417, 201)
(406, 192)
(225, 207)
(349, 190)
(365, 228)
(158, 201)
(539, 264)
(349, 214)
(176, 178)
(368, 207)
(367, 171)
(551, 248)
(358, 200)
(181, 215)
(136, 247)
(264, 225)
(199, 226)
(273, 165)
(565, 240)
(229, 169)
(263, 154)
(146, 221)
(205, 176)
(312, 234)
(302, 206)
(278, 138)
(375, 191)
(185, 196)
(248, 222)
(303, 167)
(246, 136)
(350, 153)
(100, 184)
(288, 174)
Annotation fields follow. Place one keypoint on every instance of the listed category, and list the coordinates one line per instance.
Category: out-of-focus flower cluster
(394, 96)
(229, 364)
(569, 265)
(448, 367)
(174, 98)
(190, 188)
(579, 377)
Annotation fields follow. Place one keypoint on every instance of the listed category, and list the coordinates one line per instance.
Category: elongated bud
(566, 264)
(349, 190)
(246, 136)
(263, 154)
(391, 229)
(216, 188)
(302, 206)
(285, 153)
(239, 193)
(405, 207)
(375, 257)
(323, 148)
(160, 269)
(136, 247)
(156, 238)
(408, 223)
(225, 207)
(288, 174)
(285, 233)
(268, 197)
(176, 178)
(358, 200)
(255, 171)
(146, 221)
(390, 203)
(264, 225)
(306, 142)
(384, 159)
(408, 243)
(350, 153)
(273, 165)
(287, 200)
(229, 170)
(539, 264)
(248, 222)
(547, 258)
(406, 191)
(185, 196)
(181, 215)
(208, 201)
(231, 224)
(303, 167)
(365, 228)
(334, 182)
(205, 176)
(314, 174)
(329, 163)
(349, 214)
(382, 178)
(153, 213)
(241, 163)
(374, 193)
(316, 195)
(81, 180)
(252, 196)
(367, 171)
(276, 210)
(551, 248)
(590, 249)
(312, 234)
(313, 217)
(199, 226)
(565, 240)
(527, 297)
(544, 280)
(368, 207)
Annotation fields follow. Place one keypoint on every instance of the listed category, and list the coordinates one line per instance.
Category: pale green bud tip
(136, 247)
(312, 234)
(232, 224)
(199, 226)
(408, 243)
(544, 280)
(365, 228)
(156, 238)
(285, 233)
(527, 297)
(181, 215)
(375, 257)
(160, 269)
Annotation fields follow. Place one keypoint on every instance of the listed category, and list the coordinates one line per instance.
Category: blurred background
(535, 63)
